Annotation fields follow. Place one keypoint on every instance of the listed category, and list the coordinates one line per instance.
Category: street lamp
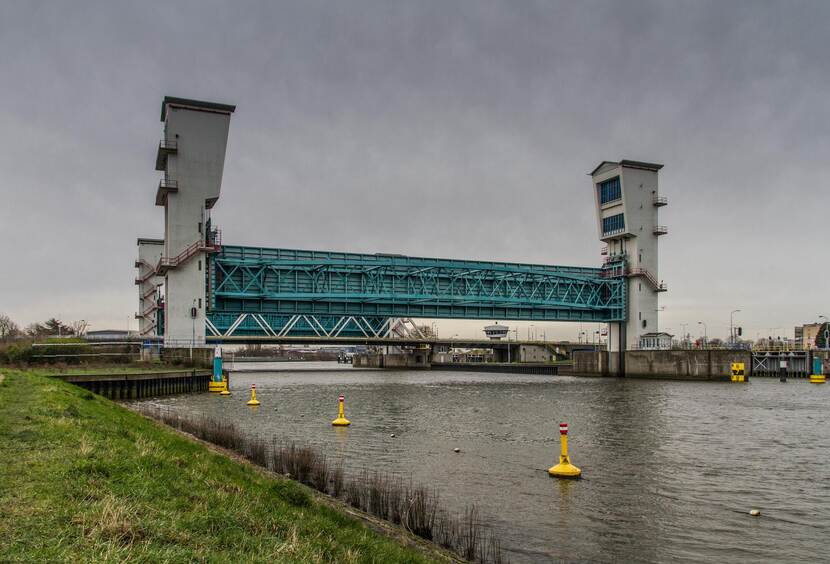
(705, 334)
(731, 329)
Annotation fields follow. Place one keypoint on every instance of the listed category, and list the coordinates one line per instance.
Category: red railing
(166, 263)
(149, 292)
(618, 272)
(143, 278)
(149, 310)
(659, 286)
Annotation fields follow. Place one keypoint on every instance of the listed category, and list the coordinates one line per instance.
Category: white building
(627, 200)
(658, 341)
(496, 332)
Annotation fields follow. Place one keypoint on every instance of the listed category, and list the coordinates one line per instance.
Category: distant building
(655, 341)
(805, 335)
(109, 335)
(496, 332)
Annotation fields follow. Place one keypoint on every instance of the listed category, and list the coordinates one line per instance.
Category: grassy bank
(83, 479)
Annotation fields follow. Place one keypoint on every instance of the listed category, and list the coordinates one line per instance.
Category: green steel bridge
(279, 293)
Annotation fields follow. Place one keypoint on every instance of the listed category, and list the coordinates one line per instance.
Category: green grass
(83, 479)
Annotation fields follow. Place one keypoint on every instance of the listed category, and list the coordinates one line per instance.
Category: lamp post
(731, 328)
(705, 334)
(193, 323)
(683, 331)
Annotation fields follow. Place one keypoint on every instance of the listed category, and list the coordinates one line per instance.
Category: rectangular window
(610, 190)
(200, 265)
(200, 303)
(613, 224)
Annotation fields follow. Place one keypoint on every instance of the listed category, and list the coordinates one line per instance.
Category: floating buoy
(341, 420)
(456, 449)
(392, 435)
(216, 382)
(564, 469)
(225, 385)
(253, 401)
(755, 512)
(818, 378)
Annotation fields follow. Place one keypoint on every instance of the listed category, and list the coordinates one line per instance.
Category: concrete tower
(627, 201)
(149, 283)
(192, 157)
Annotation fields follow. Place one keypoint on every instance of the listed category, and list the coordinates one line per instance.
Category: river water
(670, 469)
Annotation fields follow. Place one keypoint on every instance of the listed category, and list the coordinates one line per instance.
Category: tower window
(610, 190)
(613, 224)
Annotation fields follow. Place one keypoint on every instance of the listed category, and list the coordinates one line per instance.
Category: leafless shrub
(414, 507)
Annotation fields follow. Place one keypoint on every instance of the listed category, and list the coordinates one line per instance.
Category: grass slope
(82, 479)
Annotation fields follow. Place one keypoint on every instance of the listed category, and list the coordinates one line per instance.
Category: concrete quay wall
(391, 361)
(674, 364)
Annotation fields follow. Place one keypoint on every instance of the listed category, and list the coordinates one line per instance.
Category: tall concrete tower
(627, 201)
(192, 157)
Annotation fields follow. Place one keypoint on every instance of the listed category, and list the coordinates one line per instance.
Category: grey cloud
(453, 129)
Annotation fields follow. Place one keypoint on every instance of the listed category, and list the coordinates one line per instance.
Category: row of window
(613, 224)
(609, 190)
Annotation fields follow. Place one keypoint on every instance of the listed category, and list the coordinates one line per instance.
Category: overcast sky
(450, 129)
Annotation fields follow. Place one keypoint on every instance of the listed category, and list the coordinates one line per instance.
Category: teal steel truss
(281, 292)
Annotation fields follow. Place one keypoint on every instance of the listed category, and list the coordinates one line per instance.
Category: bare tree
(8, 328)
(79, 327)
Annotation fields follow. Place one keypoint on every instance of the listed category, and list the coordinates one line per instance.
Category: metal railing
(193, 249)
(660, 201)
(167, 183)
(168, 146)
(660, 230)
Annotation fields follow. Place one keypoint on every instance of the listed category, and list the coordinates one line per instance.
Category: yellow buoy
(818, 378)
(564, 469)
(738, 372)
(341, 420)
(225, 391)
(253, 401)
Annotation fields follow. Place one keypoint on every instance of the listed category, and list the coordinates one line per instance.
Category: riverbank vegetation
(83, 479)
(416, 508)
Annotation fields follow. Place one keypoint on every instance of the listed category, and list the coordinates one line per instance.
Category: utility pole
(705, 334)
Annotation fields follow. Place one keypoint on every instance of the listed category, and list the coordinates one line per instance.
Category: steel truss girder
(274, 325)
(287, 282)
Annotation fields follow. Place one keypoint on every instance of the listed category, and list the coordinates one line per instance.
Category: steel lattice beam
(278, 284)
